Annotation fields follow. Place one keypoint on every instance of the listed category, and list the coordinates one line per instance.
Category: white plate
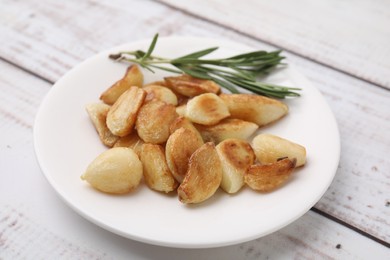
(66, 142)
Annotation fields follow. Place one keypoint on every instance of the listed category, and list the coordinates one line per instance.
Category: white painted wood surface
(47, 38)
(351, 36)
(36, 224)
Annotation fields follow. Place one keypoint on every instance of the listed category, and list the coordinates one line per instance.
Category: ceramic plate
(66, 142)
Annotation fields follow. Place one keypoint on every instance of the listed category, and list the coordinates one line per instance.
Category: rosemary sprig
(232, 72)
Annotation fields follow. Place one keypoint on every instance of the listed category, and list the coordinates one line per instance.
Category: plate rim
(65, 198)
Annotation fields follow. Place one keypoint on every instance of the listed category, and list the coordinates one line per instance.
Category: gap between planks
(26, 70)
(198, 16)
(345, 224)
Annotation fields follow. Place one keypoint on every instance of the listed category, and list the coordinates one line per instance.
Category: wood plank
(42, 226)
(358, 194)
(353, 38)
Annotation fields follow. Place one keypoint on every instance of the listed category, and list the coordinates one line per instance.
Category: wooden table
(343, 47)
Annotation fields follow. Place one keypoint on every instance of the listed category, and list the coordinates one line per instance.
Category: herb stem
(237, 71)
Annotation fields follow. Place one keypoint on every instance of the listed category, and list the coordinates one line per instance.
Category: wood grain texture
(43, 227)
(358, 194)
(55, 38)
(22, 238)
(351, 36)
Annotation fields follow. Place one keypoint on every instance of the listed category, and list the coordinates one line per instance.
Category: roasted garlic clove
(153, 121)
(132, 77)
(181, 110)
(117, 170)
(206, 109)
(156, 172)
(158, 83)
(178, 150)
(270, 148)
(185, 123)
(98, 113)
(160, 93)
(190, 86)
(253, 108)
(268, 177)
(203, 177)
(132, 141)
(122, 115)
(227, 128)
(236, 157)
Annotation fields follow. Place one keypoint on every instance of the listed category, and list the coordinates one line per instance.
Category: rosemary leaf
(198, 54)
(151, 48)
(196, 73)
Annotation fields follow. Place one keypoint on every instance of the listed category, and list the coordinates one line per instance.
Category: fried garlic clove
(160, 93)
(203, 177)
(158, 83)
(270, 148)
(206, 109)
(185, 123)
(156, 171)
(227, 128)
(98, 113)
(190, 87)
(154, 120)
(181, 110)
(117, 170)
(268, 177)
(122, 115)
(180, 145)
(132, 77)
(254, 108)
(132, 141)
(236, 157)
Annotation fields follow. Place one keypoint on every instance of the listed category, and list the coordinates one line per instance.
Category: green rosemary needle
(232, 72)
